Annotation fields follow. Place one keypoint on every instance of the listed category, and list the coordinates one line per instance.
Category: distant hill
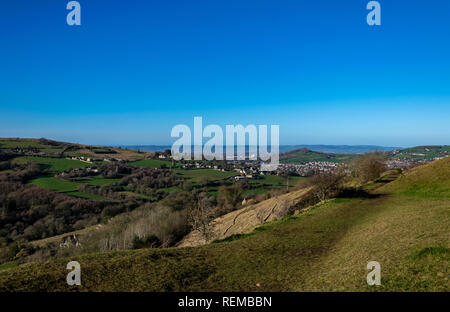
(339, 149)
(304, 155)
(46, 147)
(421, 152)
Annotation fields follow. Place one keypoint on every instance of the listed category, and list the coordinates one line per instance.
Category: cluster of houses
(200, 165)
(248, 172)
(309, 168)
(408, 163)
(92, 160)
(252, 170)
(82, 158)
(244, 170)
(88, 170)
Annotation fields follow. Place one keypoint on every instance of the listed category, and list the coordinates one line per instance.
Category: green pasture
(55, 164)
(151, 163)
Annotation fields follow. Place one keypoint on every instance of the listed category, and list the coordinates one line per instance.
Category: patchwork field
(71, 188)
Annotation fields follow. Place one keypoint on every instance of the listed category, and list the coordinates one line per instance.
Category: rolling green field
(325, 248)
(275, 180)
(55, 184)
(29, 144)
(85, 195)
(423, 152)
(8, 265)
(99, 181)
(69, 149)
(196, 175)
(151, 163)
(71, 188)
(170, 189)
(55, 164)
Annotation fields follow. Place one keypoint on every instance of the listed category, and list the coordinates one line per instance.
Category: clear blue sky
(134, 69)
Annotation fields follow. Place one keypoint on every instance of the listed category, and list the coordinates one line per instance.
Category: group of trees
(143, 181)
(28, 212)
(151, 225)
(229, 197)
(362, 169)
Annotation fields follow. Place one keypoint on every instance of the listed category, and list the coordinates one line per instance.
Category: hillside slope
(430, 180)
(304, 155)
(325, 248)
(44, 147)
(245, 219)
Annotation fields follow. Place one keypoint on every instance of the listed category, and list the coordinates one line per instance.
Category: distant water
(337, 149)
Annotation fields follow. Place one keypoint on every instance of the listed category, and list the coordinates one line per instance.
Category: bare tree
(200, 215)
(368, 167)
(327, 185)
(229, 197)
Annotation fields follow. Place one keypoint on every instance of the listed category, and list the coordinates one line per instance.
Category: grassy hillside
(422, 152)
(430, 180)
(41, 145)
(55, 164)
(304, 155)
(37, 147)
(326, 248)
(55, 184)
(196, 175)
(151, 163)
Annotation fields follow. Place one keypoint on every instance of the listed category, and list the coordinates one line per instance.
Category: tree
(229, 197)
(200, 215)
(327, 185)
(368, 167)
